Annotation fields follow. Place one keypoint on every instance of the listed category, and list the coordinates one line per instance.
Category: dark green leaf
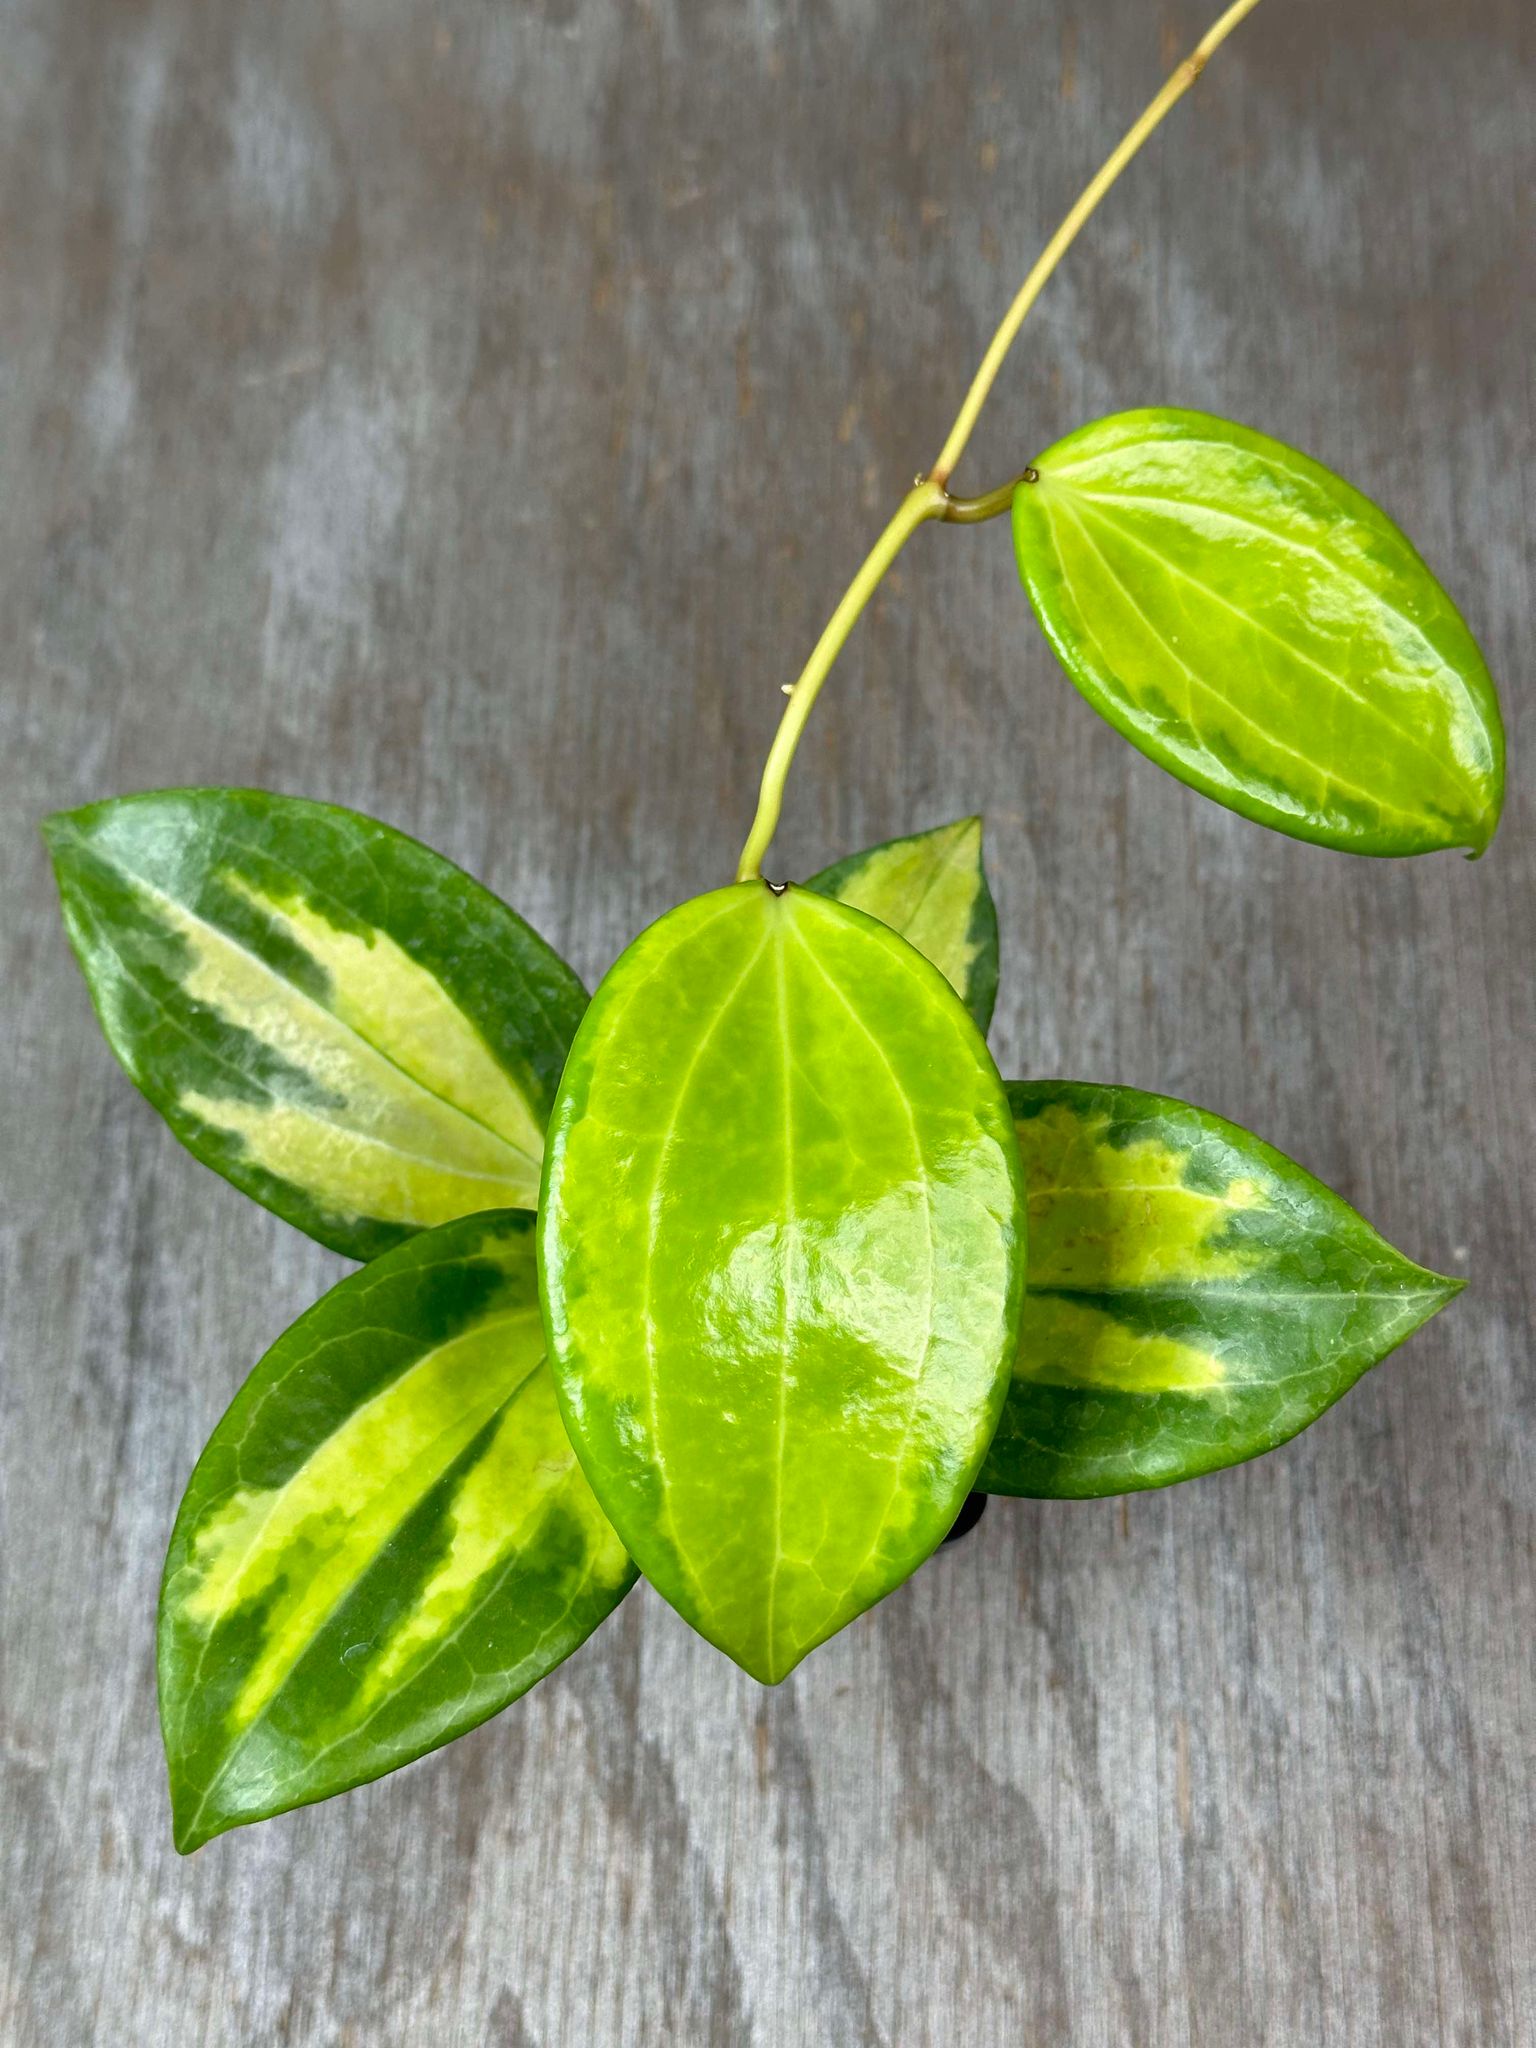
(1194, 1297)
(932, 888)
(779, 1248)
(387, 1540)
(1264, 632)
(336, 1019)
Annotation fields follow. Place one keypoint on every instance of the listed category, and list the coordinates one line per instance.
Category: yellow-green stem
(928, 498)
(924, 501)
(1172, 92)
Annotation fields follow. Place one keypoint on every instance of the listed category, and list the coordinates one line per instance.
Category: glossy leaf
(1194, 1298)
(1262, 631)
(336, 1019)
(932, 888)
(779, 1249)
(387, 1540)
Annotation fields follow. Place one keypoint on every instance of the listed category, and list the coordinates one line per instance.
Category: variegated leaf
(1194, 1297)
(387, 1539)
(1264, 632)
(932, 888)
(333, 1017)
(779, 1249)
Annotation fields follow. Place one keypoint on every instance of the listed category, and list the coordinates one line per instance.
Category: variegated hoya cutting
(337, 1019)
(1195, 1297)
(386, 1540)
(784, 1198)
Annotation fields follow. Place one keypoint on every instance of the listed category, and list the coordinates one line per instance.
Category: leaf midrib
(1210, 1393)
(1281, 539)
(364, 1136)
(791, 1224)
(921, 1175)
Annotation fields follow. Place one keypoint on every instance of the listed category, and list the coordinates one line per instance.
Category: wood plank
(471, 414)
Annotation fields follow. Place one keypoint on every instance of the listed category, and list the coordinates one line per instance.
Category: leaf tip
(765, 1671)
(1437, 1291)
(196, 1818)
(1485, 828)
(973, 827)
(767, 1658)
(187, 1833)
(55, 828)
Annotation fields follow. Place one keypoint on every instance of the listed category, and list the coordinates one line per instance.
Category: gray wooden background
(470, 412)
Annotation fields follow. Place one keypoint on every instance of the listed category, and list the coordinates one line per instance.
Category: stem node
(929, 497)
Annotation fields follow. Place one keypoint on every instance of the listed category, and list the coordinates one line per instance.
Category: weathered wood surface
(469, 413)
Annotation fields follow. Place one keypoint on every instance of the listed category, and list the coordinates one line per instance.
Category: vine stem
(928, 498)
(924, 501)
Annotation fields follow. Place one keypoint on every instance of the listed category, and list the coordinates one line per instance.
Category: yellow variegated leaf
(387, 1539)
(932, 888)
(781, 1261)
(1194, 1297)
(1263, 631)
(335, 1018)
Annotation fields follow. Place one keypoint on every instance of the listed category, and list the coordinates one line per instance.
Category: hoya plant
(747, 1271)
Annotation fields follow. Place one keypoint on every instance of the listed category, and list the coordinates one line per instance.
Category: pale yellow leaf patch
(350, 1172)
(926, 890)
(1105, 1217)
(404, 1011)
(302, 1546)
(392, 1135)
(1069, 1344)
(528, 1466)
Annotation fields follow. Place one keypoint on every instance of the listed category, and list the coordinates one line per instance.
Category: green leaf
(1262, 631)
(336, 1019)
(780, 1254)
(932, 888)
(387, 1540)
(1194, 1297)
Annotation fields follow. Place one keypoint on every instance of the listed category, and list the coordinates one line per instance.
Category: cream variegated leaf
(386, 1540)
(336, 1019)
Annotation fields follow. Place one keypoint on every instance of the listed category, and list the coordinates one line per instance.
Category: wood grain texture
(470, 413)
